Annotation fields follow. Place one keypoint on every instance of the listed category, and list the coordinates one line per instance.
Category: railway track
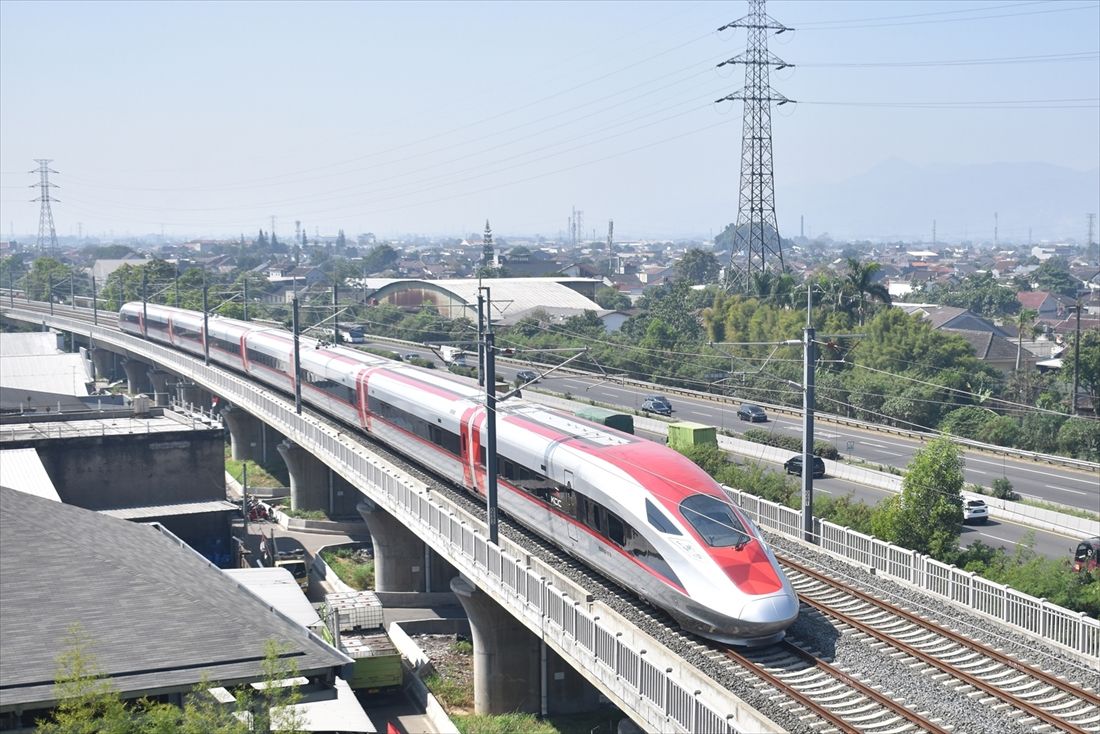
(1030, 696)
(829, 693)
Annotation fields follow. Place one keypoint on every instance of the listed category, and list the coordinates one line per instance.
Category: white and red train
(637, 511)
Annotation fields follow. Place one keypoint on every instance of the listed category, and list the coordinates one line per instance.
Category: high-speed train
(637, 511)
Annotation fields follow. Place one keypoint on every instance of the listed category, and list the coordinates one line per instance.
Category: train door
(574, 535)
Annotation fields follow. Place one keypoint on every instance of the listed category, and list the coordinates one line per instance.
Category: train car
(640, 513)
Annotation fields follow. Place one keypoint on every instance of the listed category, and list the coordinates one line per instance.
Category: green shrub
(306, 514)
(1002, 489)
(356, 573)
(845, 511)
(824, 449)
(504, 724)
(967, 422)
(1080, 438)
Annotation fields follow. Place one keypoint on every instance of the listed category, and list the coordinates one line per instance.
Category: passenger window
(658, 520)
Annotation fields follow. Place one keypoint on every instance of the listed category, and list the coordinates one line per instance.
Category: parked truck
(611, 418)
(452, 355)
(353, 623)
(286, 552)
(684, 435)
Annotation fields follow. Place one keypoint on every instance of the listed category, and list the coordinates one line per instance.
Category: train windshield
(715, 521)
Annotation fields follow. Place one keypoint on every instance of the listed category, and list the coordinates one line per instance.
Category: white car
(975, 511)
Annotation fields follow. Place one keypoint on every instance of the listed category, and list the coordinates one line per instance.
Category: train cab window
(658, 520)
(616, 532)
(715, 521)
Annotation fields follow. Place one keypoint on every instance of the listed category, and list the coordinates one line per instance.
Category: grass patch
(596, 722)
(305, 514)
(454, 695)
(257, 475)
(357, 574)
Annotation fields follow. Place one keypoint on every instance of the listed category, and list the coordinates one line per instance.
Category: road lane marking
(1017, 467)
(997, 537)
(1063, 489)
(977, 471)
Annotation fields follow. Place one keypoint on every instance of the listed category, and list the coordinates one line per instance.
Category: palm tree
(1024, 320)
(861, 282)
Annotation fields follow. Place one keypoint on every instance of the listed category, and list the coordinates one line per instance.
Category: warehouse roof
(509, 295)
(156, 614)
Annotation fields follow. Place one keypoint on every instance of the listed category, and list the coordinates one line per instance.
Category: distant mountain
(898, 200)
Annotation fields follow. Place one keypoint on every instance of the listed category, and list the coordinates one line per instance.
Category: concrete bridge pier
(506, 655)
(105, 363)
(137, 377)
(309, 480)
(398, 553)
(188, 393)
(161, 390)
(245, 433)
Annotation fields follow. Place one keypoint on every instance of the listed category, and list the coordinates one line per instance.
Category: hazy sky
(209, 118)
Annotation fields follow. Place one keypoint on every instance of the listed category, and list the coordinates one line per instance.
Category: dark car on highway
(793, 465)
(752, 413)
(527, 376)
(657, 404)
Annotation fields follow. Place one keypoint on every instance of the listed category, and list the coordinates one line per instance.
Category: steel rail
(818, 709)
(970, 679)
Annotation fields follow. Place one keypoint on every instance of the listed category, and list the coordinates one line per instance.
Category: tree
(1024, 321)
(610, 298)
(45, 270)
(927, 515)
(341, 240)
(89, 704)
(698, 267)
(860, 281)
(261, 240)
(1053, 275)
(1088, 369)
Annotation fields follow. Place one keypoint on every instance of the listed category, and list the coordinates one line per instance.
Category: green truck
(612, 419)
(353, 623)
(685, 434)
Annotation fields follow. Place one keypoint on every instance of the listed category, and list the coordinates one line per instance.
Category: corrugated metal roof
(183, 508)
(63, 374)
(279, 588)
(158, 616)
(509, 295)
(21, 344)
(22, 470)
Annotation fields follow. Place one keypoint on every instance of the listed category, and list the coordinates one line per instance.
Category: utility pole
(244, 298)
(45, 215)
(72, 289)
(756, 242)
(480, 338)
(176, 281)
(144, 303)
(297, 357)
(205, 321)
(490, 422)
(335, 310)
(808, 423)
(1076, 354)
(95, 304)
(49, 295)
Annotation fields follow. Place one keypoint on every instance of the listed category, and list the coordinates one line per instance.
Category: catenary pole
(1076, 355)
(808, 423)
(490, 425)
(297, 358)
(95, 304)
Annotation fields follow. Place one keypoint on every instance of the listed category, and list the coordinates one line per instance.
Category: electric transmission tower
(756, 245)
(45, 216)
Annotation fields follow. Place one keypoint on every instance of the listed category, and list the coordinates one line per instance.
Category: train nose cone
(776, 611)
